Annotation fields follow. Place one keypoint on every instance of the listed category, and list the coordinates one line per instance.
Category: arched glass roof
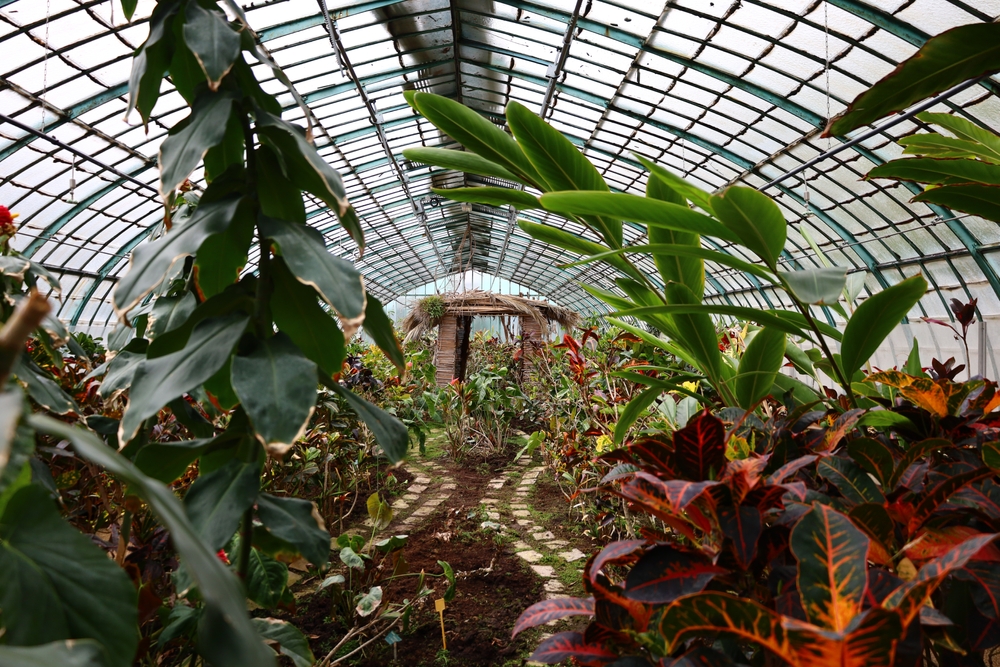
(723, 91)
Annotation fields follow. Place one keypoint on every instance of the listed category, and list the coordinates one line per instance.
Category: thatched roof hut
(453, 314)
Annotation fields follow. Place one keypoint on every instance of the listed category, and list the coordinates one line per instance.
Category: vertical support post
(983, 347)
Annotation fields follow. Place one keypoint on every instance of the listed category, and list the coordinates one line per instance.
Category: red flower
(7, 226)
(222, 556)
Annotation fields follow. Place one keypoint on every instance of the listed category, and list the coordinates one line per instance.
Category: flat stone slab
(417, 488)
(519, 506)
(532, 557)
(545, 571)
(423, 511)
(543, 536)
(521, 513)
(554, 586)
(421, 480)
(572, 556)
(521, 546)
(400, 504)
(557, 544)
(434, 502)
(524, 522)
(496, 485)
(493, 516)
(410, 497)
(489, 501)
(447, 487)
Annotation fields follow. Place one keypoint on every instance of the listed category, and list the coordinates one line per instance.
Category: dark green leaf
(638, 209)
(755, 219)
(390, 433)
(297, 522)
(816, 286)
(220, 387)
(214, 43)
(875, 319)
(166, 461)
(876, 522)
(279, 197)
(159, 381)
(943, 147)
(150, 262)
(474, 132)
(963, 128)
(128, 8)
(297, 313)
(169, 312)
(227, 637)
(306, 256)
(943, 61)
(55, 581)
(981, 200)
(635, 407)
(696, 329)
(759, 365)
(850, 479)
(491, 196)
(675, 250)
(832, 574)
(71, 653)
(150, 62)
(307, 169)
(762, 317)
(695, 195)
(190, 139)
(460, 161)
(42, 388)
(222, 257)
(913, 366)
(230, 152)
(216, 501)
(379, 327)
(286, 639)
(276, 385)
(266, 579)
(449, 574)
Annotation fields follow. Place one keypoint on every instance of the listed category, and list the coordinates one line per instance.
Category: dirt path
(507, 550)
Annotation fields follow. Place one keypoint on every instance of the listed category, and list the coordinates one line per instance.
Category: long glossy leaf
(380, 328)
(166, 461)
(942, 62)
(850, 479)
(666, 573)
(761, 317)
(214, 44)
(567, 241)
(54, 580)
(150, 262)
(755, 219)
(491, 196)
(633, 410)
(759, 365)
(216, 501)
(560, 164)
(685, 268)
(876, 522)
(816, 286)
(637, 209)
(695, 328)
(276, 385)
(700, 448)
(742, 524)
(461, 161)
(298, 522)
(936, 171)
(694, 194)
(161, 380)
(940, 146)
(474, 132)
(188, 142)
(151, 62)
(297, 313)
(667, 498)
(306, 256)
(286, 639)
(963, 128)
(981, 200)
(227, 637)
(875, 319)
(673, 249)
(832, 571)
(42, 388)
(620, 551)
(552, 610)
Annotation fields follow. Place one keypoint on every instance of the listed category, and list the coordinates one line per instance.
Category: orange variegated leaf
(938, 495)
(832, 567)
(928, 394)
(933, 543)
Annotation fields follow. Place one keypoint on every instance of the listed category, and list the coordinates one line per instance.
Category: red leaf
(566, 645)
(551, 610)
(666, 497)
(791, 468)
(742, 525)
(940, 493)
(653, 453)
(665, 573)
(622, 551)
(700, 447)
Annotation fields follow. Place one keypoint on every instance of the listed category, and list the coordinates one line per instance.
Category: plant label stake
(439, 606)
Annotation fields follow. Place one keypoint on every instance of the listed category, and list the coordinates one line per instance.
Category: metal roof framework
(721, 92)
